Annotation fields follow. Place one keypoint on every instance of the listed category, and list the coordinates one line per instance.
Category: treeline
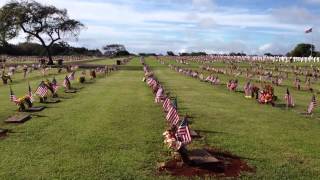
(34, 49)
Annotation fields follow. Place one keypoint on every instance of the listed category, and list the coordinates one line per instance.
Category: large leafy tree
(303, 50)
(7, 29)
(46, 24)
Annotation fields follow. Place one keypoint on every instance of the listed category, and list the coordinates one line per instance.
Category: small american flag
(71, 76)
(42, 90)
(55, 86)
(183, 132)
(13, 98)
(288, 98)
(166, 104)
(151, 82)
(159, 95)
(30, 93)
(312, 105)
(66, 82)
(173, 116)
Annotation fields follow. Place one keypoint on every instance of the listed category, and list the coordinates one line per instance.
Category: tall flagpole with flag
(309, 31)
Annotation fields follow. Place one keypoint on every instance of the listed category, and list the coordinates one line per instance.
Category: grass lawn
(103, 62)
(280, 144)
(111, 129)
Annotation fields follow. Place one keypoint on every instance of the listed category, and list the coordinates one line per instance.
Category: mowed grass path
(111, 129)
(280, 144)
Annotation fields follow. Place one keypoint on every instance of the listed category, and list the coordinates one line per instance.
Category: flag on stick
(183, 132)
(288, 98)
(166, 104)
(13, 98)
(55, 85)
(312, 105)
(42, 90)
(173, 116)
(71, 76)
(66, 82)
(30, 93)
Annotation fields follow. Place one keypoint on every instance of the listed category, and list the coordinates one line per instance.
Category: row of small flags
(183, 132)
(43, 89)
(288, 97)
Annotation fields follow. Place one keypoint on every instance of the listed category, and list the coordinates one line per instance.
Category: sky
(213, 26)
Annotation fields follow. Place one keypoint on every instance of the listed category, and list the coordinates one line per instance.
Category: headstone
(35, 109)
(201, 157)
(20, 118)
(194, 134)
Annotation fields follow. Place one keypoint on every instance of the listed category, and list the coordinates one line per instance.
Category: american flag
(308, 31)
(30, 93)
(42, 90)
(173, 116)
(288, 98)
(151, 82)
(71, 76)
(183, 132)
(159, 95)
(66, 82)
(55, 86)
(166, 104)
(13, 98)
(312, 105)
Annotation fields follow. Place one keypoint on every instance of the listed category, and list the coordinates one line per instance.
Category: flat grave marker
(201, 156)
(19, 118)
(35, 109)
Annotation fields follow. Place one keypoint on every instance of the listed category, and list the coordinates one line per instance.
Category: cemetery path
(279, 143)
(110, 129)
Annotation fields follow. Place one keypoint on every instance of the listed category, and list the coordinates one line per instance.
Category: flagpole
(311, 44)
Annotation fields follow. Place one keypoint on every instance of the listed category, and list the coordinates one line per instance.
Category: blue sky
(214, 26)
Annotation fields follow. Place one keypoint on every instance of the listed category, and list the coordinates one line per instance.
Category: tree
(47, 24)
(302, 50)
(170, 53)
(7, 29)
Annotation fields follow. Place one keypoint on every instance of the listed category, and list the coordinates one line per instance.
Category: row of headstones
(178, 135)
(264, 96)
(26, 104)
(212, 58)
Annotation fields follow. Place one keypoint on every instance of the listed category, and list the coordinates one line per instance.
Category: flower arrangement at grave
(81, 79)
(23, 102)
(170, 139)
(52, 88)
(267, 96)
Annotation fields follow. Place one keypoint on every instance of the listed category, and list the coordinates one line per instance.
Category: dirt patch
(229, 166)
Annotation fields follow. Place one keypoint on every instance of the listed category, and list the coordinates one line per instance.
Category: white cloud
(187, 27)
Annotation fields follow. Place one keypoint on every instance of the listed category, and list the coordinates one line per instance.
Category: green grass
(103, 62)
(112, 129)
(280, 144)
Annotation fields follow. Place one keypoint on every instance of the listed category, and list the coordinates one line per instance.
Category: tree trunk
(50, 62)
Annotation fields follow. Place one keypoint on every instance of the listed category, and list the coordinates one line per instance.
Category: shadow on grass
(38, 115)
(210, 132)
